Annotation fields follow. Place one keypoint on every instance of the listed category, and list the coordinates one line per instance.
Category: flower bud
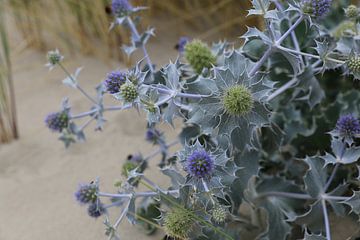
(96, 209)
(352, 11)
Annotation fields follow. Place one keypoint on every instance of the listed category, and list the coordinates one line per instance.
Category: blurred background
(37, 174)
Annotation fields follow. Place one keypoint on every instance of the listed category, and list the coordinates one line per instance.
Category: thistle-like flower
(353, 64)
(200, 164)
(57, 121)
(96, 209)
(114, 80)
(238, 103)
(199, 55)
(178, 223)
(352, 12)
(87, 193)
(316, 8)
(219, 214)
(129, 92)
(347, 126)
(53, 57)
(121, 8)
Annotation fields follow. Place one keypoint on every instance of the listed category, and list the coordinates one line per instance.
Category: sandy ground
(38, 175)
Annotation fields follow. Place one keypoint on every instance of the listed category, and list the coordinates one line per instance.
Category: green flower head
(238, 100)
(199, 55)
(178, 223)
(129, 92)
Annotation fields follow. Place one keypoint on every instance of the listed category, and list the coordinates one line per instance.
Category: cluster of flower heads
(87, 194)
(348, 126)
(57, 121)
(121, 7)
(316, 8)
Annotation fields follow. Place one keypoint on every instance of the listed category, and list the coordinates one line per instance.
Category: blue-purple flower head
(114, 80)
(96, 209)
(87, 193)
(57, 121)
(153, 135)
(121, 7)
(316, 8)
(200, 164)
(348, 126)
(180, 46)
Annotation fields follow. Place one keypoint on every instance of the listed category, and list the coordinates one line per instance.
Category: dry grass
(8, 128)
(75, 25)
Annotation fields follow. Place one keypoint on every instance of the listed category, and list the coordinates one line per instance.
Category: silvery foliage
(279, 169)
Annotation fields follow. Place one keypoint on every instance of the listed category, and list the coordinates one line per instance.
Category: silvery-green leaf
(71, 81)
(237, 63)
(256, 33)
(354, 202)
(260, 7)
(315, 178)
(313, 218)
(342, 154)
(128, 49)
(144, 38)
(293, 59)
(177, 179)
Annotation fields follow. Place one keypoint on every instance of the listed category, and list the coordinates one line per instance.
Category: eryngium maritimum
(57, 121)
(121, 7)
(87, 193)
(178, 223)
(316, 8)
(200, 164)
(348, 126)
(114, 80)
(96, 209)
(199, 55)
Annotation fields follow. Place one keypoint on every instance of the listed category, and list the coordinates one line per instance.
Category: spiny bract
(238, 100)
(199, 55)
(178, 223)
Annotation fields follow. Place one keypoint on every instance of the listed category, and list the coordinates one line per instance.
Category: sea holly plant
(269, 146)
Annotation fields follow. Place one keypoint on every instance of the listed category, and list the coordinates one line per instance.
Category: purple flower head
(348, 126)
(114, 80)
(87, 193)
(57, 121)
(200, 164)
(317, 8)
(120, 7)
(180, 46)
(152, 135)
(96, 209)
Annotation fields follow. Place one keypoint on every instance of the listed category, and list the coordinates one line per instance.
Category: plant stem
(137, 36)
(135, 195)
(156, 152)
(289, 31)
(261, 61)
(286, 194)
(308, 54)
(77, 85)
(326, 220)
(331, 178)
(282, 89)
(123, 212)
